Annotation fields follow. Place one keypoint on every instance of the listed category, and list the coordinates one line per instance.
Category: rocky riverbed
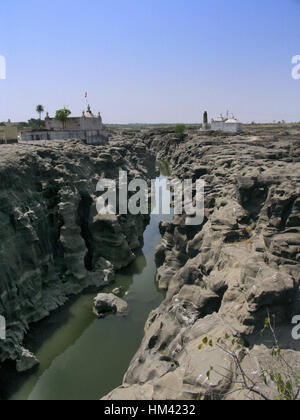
(226, 276)
(53, 242)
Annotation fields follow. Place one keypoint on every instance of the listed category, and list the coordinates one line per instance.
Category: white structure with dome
(229, 125)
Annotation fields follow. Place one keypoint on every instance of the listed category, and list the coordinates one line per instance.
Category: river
(84, 358)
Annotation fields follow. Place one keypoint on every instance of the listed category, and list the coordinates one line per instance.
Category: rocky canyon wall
(53, 242)
(225, 276)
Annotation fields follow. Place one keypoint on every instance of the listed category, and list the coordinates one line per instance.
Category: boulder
(26, 361)
(109, 303)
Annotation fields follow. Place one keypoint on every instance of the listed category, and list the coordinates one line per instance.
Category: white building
(218, 124)
(231, 125)
(88, 128)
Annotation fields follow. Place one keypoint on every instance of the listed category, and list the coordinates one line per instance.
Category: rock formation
(105, 303)
(53, 242)
(225, 276)
(26, 361)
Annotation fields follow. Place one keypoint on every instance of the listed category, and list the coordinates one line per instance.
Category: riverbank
(220, 278)
(53, 242)
(225, 277)
(75, 348)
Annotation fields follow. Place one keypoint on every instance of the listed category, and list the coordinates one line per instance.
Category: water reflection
(83, 358)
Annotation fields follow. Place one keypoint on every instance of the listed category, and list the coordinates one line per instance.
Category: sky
(151, 61)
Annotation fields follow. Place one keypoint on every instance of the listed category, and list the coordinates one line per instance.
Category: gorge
(218, 278)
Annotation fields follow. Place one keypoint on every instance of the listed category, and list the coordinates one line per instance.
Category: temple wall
(88, 136)
(74, 124)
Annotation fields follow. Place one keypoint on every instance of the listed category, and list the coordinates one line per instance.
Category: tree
(62, 115)
(40, 109)
(180, 131)
(35, 124)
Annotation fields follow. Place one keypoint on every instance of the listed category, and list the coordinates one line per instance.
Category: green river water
(84, 358)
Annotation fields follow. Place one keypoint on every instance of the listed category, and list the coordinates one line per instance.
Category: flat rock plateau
(223, 277)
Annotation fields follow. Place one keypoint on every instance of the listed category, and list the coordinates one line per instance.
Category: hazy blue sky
(151, 60)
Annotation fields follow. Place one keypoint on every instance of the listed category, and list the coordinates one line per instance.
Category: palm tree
(40, 109)
(62, 115)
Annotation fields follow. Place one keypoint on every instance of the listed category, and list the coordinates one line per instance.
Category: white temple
(229, 125)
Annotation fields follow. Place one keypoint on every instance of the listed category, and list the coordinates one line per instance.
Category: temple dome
(219, 119)
(232, 121)
(88, 113)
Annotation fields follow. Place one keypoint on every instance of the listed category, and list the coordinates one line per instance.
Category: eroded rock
(227, 275)
(26, 361)
(53, 244)
(105, 303)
